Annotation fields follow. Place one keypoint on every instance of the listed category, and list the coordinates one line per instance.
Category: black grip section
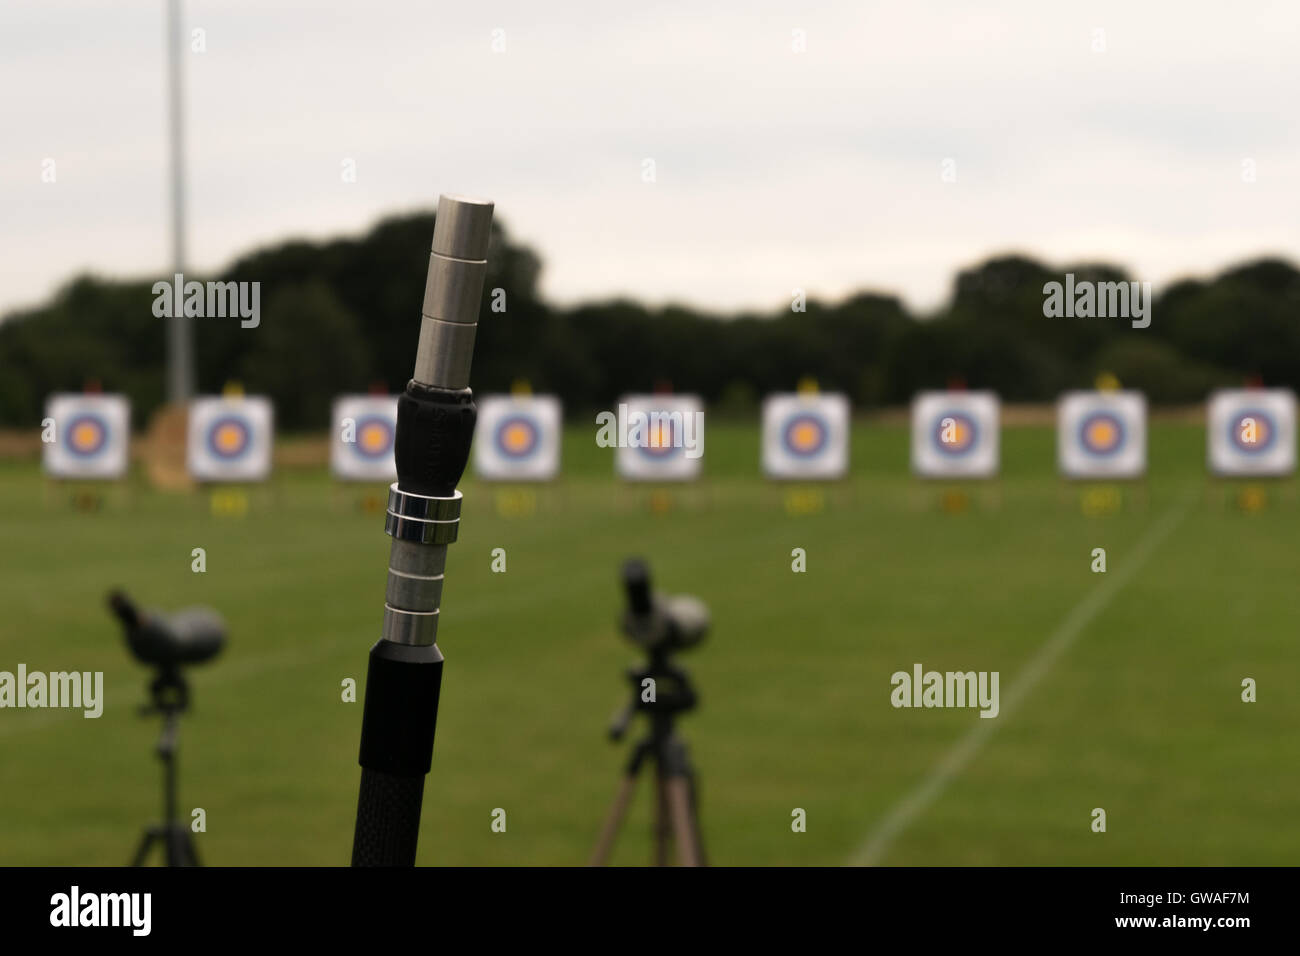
(435, 427)
(388, 819)
(401, 708)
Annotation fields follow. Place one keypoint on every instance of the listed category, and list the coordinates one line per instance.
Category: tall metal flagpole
(180, 348)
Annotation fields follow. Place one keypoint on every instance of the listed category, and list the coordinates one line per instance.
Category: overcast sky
(774, 169)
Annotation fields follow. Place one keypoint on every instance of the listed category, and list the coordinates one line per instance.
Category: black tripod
(676, 807)
(171, 698)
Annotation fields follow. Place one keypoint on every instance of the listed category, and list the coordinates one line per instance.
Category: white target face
(91, 436)
(1251, 431)
(660, 437)
(517, 438)
(955, 434)
(806, 436)
(1101, 434)
(361, 444)
(230, 439)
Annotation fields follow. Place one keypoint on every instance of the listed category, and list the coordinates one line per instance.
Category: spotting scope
(189, 636)
(660, 621)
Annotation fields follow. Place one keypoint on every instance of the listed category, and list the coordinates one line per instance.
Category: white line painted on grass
(905, 812)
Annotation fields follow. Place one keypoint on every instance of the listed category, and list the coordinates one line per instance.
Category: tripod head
(166, 642)
(661, 624)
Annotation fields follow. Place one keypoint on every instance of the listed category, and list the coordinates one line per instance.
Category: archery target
(361, 445)
(660, 437)
(91, 436)
(230, 439)
(1251, 431)
(1102, 434)
(955, 434)
(517, 438)
(805, 436)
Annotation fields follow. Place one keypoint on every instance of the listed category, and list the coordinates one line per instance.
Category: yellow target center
(373, 437)
(229, 437)
(1102, 434)
(84, 435)
(516, 437)
(805, 435)
(1252, 431)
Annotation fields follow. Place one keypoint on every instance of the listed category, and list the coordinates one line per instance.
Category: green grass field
(1141, 716)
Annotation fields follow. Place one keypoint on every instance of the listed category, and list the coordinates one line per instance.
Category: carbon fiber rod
(435, 424)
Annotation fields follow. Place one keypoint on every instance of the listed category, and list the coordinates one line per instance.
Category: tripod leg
(684, 831)
(700, 856)
(180, 848)
(682, 795)
(172, 847)
(694, 795)
(605, 843)
(146, 843)
(662, 824)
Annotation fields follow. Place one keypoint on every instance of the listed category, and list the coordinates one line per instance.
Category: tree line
(340, 316)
